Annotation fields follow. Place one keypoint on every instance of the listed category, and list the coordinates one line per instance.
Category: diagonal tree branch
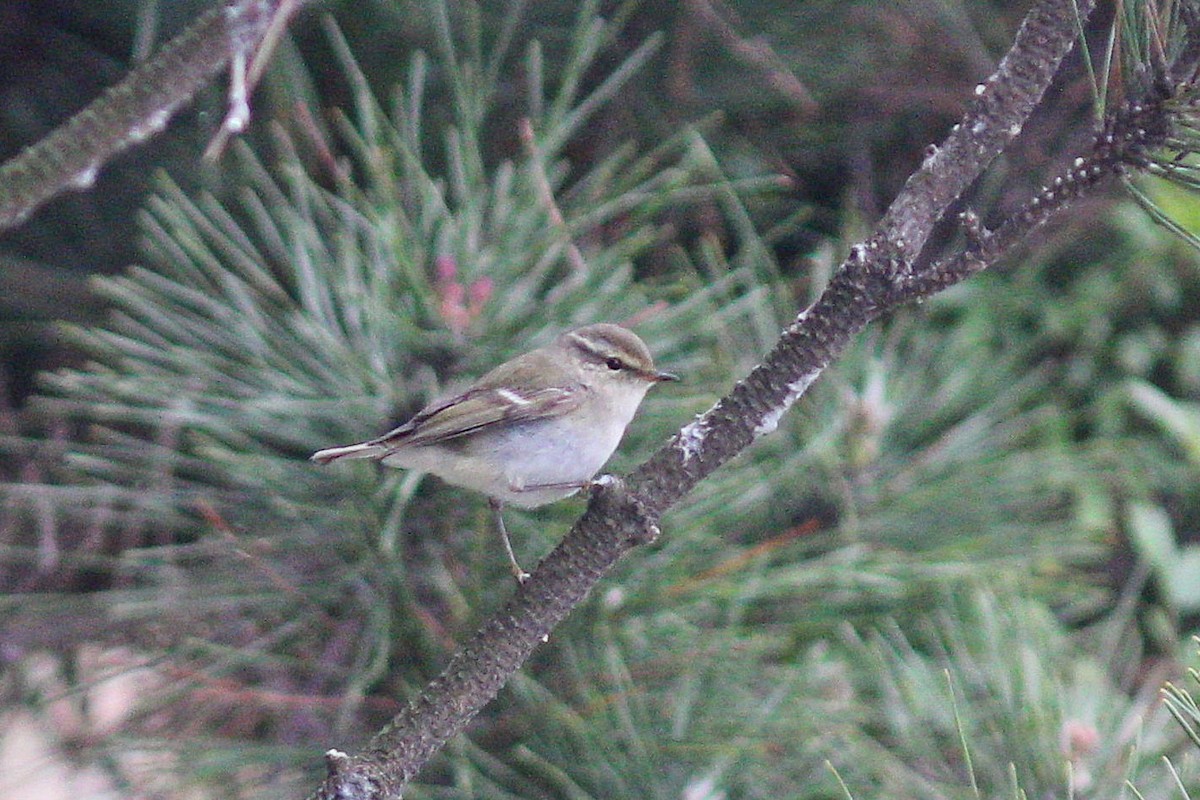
(877, 277)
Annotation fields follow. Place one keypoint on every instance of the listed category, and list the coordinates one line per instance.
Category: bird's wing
(482, 407)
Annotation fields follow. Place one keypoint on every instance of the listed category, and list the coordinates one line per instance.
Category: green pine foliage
(897, 594)
(991, 699)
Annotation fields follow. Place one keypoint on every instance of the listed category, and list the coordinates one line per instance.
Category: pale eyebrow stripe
(586, 346)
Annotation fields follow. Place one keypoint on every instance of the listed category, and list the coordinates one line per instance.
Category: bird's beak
(662, 377)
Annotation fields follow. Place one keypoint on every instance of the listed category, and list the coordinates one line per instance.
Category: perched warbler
(534, 430)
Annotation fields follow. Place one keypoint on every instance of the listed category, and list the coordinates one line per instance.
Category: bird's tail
(363, 450)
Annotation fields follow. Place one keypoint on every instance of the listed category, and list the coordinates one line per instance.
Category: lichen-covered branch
(878, 275)
(614, 522)
(997, 114)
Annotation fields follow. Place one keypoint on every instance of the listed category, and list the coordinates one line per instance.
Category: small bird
(534, 430)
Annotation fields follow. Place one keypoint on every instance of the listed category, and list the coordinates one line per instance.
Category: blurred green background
(960, 568)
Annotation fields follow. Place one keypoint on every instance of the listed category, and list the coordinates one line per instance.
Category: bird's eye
(614, 364)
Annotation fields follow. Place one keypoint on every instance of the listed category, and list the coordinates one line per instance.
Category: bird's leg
(518, 573)
(537, 487)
